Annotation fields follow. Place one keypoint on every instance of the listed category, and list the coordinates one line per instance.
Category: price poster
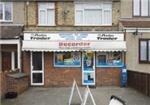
(88, 68)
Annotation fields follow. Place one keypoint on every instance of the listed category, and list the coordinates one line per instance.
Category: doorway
(37, 68)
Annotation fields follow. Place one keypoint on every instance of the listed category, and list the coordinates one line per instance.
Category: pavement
(60, 96)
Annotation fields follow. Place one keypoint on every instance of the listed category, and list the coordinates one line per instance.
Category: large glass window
(144, 51)
(141, 7)
(67, 59)
(46, 14)
(96, 13)
(6, 11)
(109, 59)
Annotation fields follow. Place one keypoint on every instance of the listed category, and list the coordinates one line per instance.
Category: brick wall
(2, 84)
(9, 84)
(108, 76)
(63, 76)
(18, 85)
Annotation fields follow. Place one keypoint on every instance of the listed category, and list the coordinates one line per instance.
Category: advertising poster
(88, 61)
(64, 59)
(89, 78)
(88, 68)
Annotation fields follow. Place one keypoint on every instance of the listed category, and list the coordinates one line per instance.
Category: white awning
(68, 46)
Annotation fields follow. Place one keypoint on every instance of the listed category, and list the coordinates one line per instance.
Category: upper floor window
(6, 11)
(141, 7)
(46, 14)
(95, 13)
(144, 50)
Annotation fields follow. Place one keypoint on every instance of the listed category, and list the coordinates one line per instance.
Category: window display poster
(109, 60)
(89, 78)
(88, 61)
(64, 59)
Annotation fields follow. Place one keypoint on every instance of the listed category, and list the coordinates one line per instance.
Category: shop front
(55, 59)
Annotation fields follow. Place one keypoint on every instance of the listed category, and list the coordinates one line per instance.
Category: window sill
(141, 16)
(144, 62)
(84, 25)
(65, 66)
(7, 21)
(42, 25)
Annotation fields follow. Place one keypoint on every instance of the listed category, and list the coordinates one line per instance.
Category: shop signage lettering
(73, 36)
(74, 44)
(40, 36)
(107, 37)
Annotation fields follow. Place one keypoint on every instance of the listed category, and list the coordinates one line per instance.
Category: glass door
(37, 68)
(88, 68)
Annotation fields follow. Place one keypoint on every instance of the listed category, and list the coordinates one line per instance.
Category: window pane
(42, 19)
(79, 17)
(107, 17)
(136, 7)
(50, 17)
(144, 7)
(37, 61)
(63, 59)
(37, 77)
(149, 50)
(149, 7)
(101, 58)
(8, 14)
(1, 11)
(143, 51)
(93, 17)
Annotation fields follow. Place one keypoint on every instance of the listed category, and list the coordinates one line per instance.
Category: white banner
(73, 36)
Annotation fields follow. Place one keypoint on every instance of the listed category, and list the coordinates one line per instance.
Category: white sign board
(74, 86)
(86, 94)
(73, 36)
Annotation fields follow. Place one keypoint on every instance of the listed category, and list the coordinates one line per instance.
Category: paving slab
(60, 96)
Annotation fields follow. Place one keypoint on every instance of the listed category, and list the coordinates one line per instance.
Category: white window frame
(140, 13)
(100, 8)
(33, 71)
(39, 9)
(3, 6)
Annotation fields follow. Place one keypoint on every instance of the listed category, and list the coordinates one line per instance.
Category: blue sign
(73, 36)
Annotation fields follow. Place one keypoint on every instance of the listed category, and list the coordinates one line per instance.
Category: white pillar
(13, 60)
(19, 56)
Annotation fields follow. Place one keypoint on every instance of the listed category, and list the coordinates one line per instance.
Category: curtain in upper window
(93, 13)
(46, 13)
(141, 7)
(5, 11)
(143, 51)
(144, 48)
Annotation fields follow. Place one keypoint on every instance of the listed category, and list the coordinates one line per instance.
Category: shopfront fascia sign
(74, 36)
(74, 44)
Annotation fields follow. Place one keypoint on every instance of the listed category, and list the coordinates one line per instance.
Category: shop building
(136, 24)
(66, 40)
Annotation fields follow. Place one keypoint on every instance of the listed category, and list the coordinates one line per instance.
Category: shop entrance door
(88, 68)
(37, 68)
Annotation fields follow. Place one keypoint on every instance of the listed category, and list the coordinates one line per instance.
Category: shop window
(109, 59)
(46, 14)
(6, 11)
(67, 59)
(141, 7)
(93, 13)
(144, 51)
